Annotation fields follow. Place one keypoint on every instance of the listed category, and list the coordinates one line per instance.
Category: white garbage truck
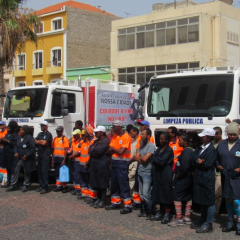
(192, 100)
(94, 101)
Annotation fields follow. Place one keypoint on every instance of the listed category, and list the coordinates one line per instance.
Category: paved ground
(62, 216)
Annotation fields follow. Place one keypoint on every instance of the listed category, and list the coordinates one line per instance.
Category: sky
(120, 8)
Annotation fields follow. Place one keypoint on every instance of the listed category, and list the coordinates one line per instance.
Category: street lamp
(107, 70)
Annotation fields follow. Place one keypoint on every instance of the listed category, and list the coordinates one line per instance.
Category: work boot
(11, 188)
(113, 207)
(126, 210)
(238, 228)
(143, 210)
(57, 189)
(230, 227)
(101, 204)
(73, 192)
(166, 218)
(8, 184)
(25, 188)
(82, 197)
(157, 217)
(44, 191)
(64, 189)
(136, 206)
(205, 228)
(95, 202)
(196, 225)
(89, 200)
(39, 189)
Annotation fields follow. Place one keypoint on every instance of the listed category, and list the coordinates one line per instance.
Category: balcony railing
(54, 64)
(19, 67)
(37, 66)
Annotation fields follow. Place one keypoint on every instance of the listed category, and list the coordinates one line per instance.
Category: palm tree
(16, 26)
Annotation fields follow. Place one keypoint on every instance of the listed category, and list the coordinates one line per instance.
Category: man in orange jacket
(120, 148)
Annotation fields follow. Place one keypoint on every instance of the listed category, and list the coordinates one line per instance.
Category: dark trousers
(207, 213)
(15, 175)
(120, 184)
(43, 169)
(1, 156)
(76, 173)
(9, 173)
(101, 194)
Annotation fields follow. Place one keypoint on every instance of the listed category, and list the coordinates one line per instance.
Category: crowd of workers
(152, 180)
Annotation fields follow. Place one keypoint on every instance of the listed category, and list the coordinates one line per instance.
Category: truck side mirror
(141, 97)
(64, 100)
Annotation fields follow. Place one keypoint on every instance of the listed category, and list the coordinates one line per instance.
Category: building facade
(171, 39)
(71, 35)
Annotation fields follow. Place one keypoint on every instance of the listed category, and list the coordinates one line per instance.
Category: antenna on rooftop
(99, 8)
(127, 14)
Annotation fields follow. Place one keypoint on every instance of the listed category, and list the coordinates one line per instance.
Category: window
(166, 33)
(21, 61)
(21, 84)
(140, 75)
(57, 58)
(57, 24)
(40, 28)
(56, 104)
(38, 60)
(37, 82)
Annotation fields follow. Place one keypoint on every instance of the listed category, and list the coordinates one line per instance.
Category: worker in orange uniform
(120, 148)
(174, 145)
(84, 158)
(75, 157)
(136, 197)
(3, 133)
(60, 146)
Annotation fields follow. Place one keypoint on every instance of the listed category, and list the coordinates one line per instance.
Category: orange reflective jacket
(59, 145)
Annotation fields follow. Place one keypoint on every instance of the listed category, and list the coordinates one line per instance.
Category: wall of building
(88, 38)
(216, 19)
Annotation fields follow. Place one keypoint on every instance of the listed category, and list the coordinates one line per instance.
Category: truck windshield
(191, 96)
(25, 103)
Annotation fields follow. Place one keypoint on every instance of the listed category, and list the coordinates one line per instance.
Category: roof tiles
(70, 3)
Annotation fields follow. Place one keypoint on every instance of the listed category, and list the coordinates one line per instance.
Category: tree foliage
(17, 25)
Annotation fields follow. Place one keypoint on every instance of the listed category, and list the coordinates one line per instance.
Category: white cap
(100, 129)
(44, 123)
(207, 132)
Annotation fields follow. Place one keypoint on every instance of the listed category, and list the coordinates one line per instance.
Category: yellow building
(186, 36)
(63, 42)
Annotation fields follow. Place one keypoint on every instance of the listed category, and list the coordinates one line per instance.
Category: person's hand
(70, 157)
(24, 158)
(52, 163)
(110, 148)
(220, 168)
(228, 121)
(237, 169)
(85, 166)
(4, 139)
(16, 155)
(200, 161)
(63, 162)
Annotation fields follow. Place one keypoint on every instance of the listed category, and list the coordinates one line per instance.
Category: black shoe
(64, 189)
(166, 218)
(230, 227)
(73, 192)
(142, 214)
(82, 197)
(57, 189)
(101, 204)
(196, 225)
(44, 191)
(39, 189)
(95, 202)
(11, 188)
(78, 194)
(113, 207)
(25, 189)
(89, 200)
(136, 206)
(126, 210)
(157, 217)
(7, 185)
(205, 228)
